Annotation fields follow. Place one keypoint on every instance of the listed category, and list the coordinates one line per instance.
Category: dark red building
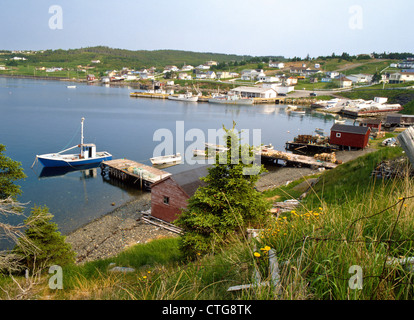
(170, 195)
(373, 124)
(350, 136)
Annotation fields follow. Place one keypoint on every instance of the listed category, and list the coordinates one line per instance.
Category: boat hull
(53, 160)
(234, 102)
(165, 160)
(189, 99)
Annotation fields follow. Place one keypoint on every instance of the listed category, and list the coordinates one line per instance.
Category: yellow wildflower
(257, 254)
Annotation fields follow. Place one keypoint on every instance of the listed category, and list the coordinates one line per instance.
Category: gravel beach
(110, 234)
(121, 228)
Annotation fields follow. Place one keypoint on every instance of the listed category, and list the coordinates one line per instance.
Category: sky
(247, 27)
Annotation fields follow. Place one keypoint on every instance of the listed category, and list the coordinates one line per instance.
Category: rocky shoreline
(121, 228)
(112, 233)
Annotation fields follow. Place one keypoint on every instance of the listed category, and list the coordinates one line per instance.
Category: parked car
(313, 94)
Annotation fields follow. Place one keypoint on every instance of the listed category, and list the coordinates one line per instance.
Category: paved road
(306, 93)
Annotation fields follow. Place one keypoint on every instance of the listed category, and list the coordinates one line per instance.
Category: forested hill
(118, 58)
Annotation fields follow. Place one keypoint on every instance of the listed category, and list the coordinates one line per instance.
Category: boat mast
(83, 119)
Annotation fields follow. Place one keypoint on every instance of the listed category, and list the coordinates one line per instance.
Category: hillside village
(270, 78)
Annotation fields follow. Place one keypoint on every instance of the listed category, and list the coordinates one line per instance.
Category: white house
(250, 74)
(360, 78)
(187, 68)
(18, 58)
(96, 61)
(261, 76)
(201, 75)
(271, 79)
(290, 81)
(332, 74)
(170, 69)
(130, 77)
(345, 82)
(285, 89)
(184, 76)
(255, 92)
(223, 75)
(211, 63)
(399, 77)
(146, 75)
(279, 65)
(203, 67)
(211, 75)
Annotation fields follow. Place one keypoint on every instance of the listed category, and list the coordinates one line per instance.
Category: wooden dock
(132, 172)
(296, 160)
(149, 95)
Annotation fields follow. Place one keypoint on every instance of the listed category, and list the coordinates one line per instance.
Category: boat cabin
(88, 151)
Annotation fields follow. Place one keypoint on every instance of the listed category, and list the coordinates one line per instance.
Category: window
(338, 134)
(166, 200)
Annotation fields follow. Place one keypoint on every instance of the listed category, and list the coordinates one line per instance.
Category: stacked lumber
(328, 157)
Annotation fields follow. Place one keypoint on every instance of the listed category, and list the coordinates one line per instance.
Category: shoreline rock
(112, 233)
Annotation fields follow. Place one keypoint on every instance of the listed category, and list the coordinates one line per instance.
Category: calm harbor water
(39, 117)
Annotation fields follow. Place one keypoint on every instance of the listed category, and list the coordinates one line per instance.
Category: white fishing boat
(298, 111)
(268, 147)
(71, 87)
(231, 99)
(215, 147)
(199, 153)
(339, 121)
(184, 97)
(87, 156)
(319, 131)
(168, 159)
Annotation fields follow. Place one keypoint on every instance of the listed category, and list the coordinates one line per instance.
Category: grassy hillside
(117, 58)
(349, 220)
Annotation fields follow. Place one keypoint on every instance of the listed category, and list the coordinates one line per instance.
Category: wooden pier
(296, 160)
(149, 95)
(132, 172)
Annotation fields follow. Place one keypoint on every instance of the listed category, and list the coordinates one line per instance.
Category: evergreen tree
(10, 171)
(51, 248)
(227, 205)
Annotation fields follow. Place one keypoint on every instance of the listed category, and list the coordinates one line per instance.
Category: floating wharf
(310, 147)
(278, 100)
(149, 95)
(132, 172)
(296, 160)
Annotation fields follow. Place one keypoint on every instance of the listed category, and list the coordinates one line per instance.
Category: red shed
(350, 136)
(374, 124)
(170, 195)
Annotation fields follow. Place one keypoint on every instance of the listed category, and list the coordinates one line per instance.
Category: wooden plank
(123, 165)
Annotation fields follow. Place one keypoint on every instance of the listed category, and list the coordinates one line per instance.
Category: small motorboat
(199, 153)
(184, 97)
(320, 131)
(87, 156)
(168, 159)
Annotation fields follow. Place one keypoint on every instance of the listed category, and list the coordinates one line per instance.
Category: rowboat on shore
(168, 159)
(87, 156)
